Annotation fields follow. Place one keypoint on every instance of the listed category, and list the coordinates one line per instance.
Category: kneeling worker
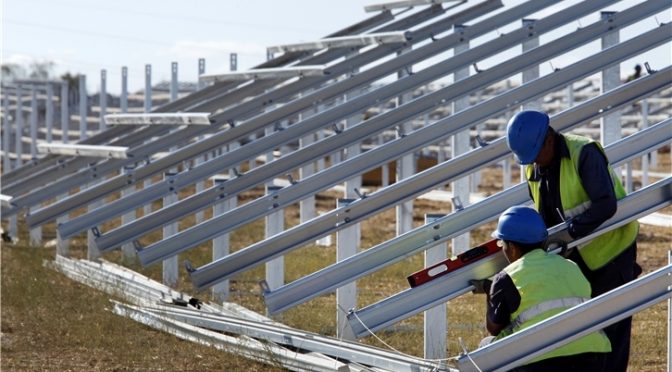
(535, 286)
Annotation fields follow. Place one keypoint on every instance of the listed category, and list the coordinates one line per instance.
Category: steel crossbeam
(402, 4)
(571, 324)
(394, 250)
(207, 93)
(340, 349)
(266, 73)
(208, 99)
(343, 42)
(331, 144)
(427, 135)
(190, 118)
(242, 130)
(250, 126)
(118, 152)
(415, 300)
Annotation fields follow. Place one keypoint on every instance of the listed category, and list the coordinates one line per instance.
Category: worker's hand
(563, 235)
(481, 285)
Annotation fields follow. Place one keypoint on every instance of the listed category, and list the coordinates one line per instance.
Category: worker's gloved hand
(481, 285)
(563, 235)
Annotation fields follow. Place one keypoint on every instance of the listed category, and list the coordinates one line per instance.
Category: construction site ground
(49, 322)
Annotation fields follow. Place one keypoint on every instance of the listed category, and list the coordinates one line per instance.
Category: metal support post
(49, 112)
(147, 209)
(435, 321)
(201, 70)
(220, 244)
(460, 145)
(406, 164)
(275, 224)
(307, 205)
(92, 252)
(33, 122)
(83, 109)
(200, 185)
(65, 111)
(669, 322)
(645, 158)
(102, 97)
(148, 89)
(35, 232)
(346, 296)
(532, 73)
(354, 149)
(610, 125)
(19, 127)
(170, 265)
(6, 135)
(173, 82)
(123, 97)
(127, 249)
(62, 245)
(570, 95)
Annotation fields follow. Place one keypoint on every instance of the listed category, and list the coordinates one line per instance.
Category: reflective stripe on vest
(540, 308)
(574, 199)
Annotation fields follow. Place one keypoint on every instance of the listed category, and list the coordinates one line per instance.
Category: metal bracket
(475, 66)
(264, 286)
(137, 245)
(337, 129)
(291, 179)
(457, 203)
(481, 141)
(648, 68)
(360, 194)
(236, 172)
(95, 231)
(188, 266)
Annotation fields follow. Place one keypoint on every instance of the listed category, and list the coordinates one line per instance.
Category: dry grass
(52, 323)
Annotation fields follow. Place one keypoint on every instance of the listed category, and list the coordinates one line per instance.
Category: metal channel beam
(259, 122)
(402, 4)
(293, 160)
(117, 152)
(344, 42)
(231, 115)
(394, 250)
(571, 324)
(362, 208)
(266, 73)
(413, 301)
(341, 349)
(218, 94)
(376, 157)
(190, 118)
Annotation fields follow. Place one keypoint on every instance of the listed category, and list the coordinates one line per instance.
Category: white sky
(83, 36)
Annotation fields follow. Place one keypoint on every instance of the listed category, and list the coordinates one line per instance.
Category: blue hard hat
(525, 134)
(522, 225)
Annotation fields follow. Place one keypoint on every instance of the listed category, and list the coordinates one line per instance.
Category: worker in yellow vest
(570, 180)
(535, 286)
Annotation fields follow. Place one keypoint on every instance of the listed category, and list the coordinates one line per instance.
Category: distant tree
(12, 71)
(41, 70)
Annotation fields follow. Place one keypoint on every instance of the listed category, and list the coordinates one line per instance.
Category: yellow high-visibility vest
(575, 201)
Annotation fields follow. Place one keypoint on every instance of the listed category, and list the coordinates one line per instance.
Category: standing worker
(536, 286)
(569, 179)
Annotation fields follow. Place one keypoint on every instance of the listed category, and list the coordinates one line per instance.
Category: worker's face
(545, 156)
(509, 250)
